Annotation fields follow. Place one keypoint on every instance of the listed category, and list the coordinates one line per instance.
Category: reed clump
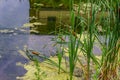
(98, 26)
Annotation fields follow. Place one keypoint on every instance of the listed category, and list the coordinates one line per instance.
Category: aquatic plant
(111, 38)
(110, 54)
(37, 73)
(74, 42)
(94, 22)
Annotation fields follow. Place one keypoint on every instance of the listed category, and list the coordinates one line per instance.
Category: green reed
(73, 45)
(75, 41)
(107, 67)
(60, 51)
(110, 55)
(38, 74)
(89, 41)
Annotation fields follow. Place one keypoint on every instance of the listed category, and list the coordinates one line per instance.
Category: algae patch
(50, 71)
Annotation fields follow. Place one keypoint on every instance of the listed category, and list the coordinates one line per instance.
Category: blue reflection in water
(13, 13)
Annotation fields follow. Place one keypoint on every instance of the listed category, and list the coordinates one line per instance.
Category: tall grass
(74, 43)
(110, 57)
(110, 54)
(107, 67)
(90, 37)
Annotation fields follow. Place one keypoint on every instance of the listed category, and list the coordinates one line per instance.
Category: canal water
(13, 14)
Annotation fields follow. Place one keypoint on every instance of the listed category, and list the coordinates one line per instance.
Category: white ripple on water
(6, 31)
(0, 56)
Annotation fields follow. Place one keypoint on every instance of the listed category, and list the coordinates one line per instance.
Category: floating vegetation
(26, 25)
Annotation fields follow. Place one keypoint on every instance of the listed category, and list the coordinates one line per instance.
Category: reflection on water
(10, 44)
(42, 43)
(13, 14)
(9, 56)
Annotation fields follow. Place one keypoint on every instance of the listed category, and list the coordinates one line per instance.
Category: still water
(13, 14)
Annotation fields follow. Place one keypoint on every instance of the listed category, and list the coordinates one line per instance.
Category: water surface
(13, 14)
